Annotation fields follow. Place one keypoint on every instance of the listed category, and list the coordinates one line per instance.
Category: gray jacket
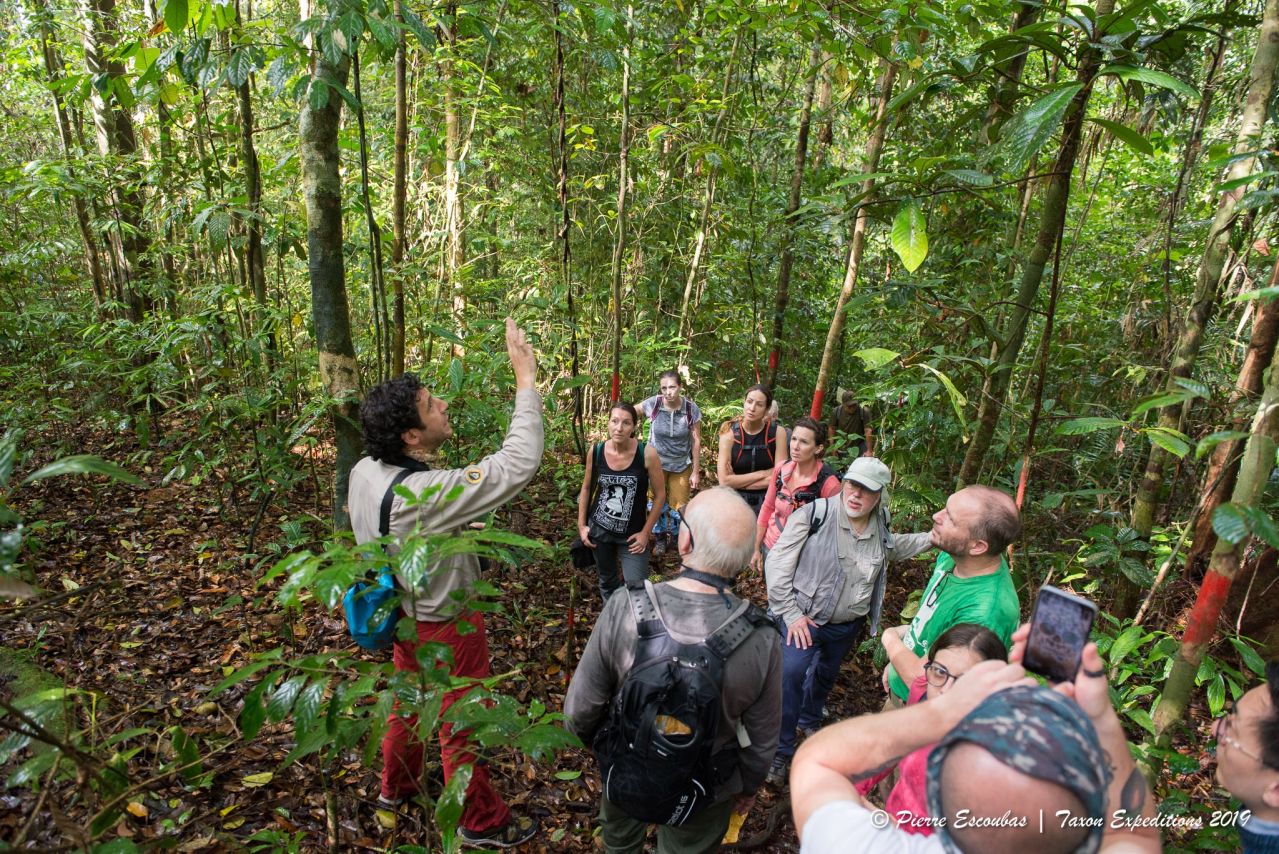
(834, 575)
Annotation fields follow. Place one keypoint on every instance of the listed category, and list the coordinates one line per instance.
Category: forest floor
(156, 594)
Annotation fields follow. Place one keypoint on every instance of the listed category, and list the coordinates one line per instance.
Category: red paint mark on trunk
(818, 397)
(772, 359)
(1202, 624)
(613, 394)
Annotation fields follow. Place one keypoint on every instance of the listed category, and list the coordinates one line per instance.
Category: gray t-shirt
(751, 707)
(671, 432)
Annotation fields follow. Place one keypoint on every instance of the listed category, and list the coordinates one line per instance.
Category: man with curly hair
(404, 425)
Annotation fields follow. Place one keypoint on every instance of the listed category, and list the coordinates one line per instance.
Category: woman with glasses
(959, 648)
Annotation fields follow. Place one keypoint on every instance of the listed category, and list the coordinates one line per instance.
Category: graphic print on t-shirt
(616, 497)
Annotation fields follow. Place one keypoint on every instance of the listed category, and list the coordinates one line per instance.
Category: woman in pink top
(959, 648)
(796, 483)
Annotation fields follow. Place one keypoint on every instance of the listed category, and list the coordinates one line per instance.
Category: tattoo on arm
(873, 772)
(1132, 798)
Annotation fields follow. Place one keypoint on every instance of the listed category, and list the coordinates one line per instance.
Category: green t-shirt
(987, 600)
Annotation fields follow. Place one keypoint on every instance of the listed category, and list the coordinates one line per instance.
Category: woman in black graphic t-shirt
(612, 514)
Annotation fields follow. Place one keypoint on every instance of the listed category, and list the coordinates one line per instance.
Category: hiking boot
(659, 548)
(779, 771)
(517, 831)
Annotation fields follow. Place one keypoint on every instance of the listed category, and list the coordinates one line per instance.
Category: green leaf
(971, 177)
(1027, 131)
(1229, 524)
(1128, 640)
(1081, 426)
(875, 358)
(1172, 441)
(318, 96)
(1216, 696)
(1251, 659)
(82, 464)
(1261, 526)
(175, 15)
(307, 707)
(253, 715)
(1153, 77)
(1126, 135)
(281, 701)
(909, 236)
(957, 400)
(1207, 443)
(242, 63)
(448, 809)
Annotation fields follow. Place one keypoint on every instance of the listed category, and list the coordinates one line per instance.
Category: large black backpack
(656, 748)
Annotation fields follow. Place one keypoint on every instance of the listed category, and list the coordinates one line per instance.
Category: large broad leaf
(957, 399)
(1127, 136)
(1026, 133)
(1080, 426)
(1152, 77)
(876, 357)
(910, 236)
(82, 464)
(1172, 441)
(1229, 524)
(175, 15)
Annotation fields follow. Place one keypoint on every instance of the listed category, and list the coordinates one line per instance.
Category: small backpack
(371, 604)
(739, 439)
(811, 492)
(655, 749)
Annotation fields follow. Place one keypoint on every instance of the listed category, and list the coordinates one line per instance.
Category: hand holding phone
(1059, 628)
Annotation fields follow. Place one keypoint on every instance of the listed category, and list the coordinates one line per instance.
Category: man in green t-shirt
(970, 583)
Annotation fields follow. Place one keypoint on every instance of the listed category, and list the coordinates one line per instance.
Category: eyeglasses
(938, 676)
(1225, 725)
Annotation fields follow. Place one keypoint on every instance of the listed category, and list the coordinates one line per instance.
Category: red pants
(402, 750)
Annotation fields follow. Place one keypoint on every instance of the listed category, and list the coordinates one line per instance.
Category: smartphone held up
(1059, 628)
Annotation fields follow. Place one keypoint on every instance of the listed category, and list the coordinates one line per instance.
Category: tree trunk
(789, 226)
(1254, 470)
(399, 192)
(53, 71)
(824, 109)
(566, 220)
(1223, 465)
(857, 241)
(377, 286)
(1004, 92)
(619, 242)
(1204, 302)
(456, 246)
(708, 198)
(254, 256)
(1052, 221)
(330, 313)
(114, 130)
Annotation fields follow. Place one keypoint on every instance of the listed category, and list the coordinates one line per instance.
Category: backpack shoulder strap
(783, 472)
(819, 516)
(746, 617)
(648, 620)
(388, 498)
(770, 440)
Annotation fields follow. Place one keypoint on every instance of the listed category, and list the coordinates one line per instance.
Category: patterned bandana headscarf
(1041, 733)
